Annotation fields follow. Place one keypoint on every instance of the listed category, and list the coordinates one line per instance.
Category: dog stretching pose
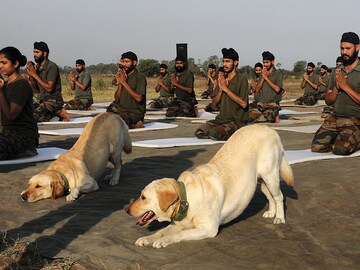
(217, 192)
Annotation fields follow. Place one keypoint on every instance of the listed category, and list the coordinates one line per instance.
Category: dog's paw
(71, 197)
(143, 241)
(162, 242)
(279, 220)
(113, 181)
(269, 214)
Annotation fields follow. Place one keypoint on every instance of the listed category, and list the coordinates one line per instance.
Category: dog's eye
(143, 197)
(37, 186)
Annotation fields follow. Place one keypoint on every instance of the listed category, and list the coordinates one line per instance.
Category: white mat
(173, 142)
(202, 115)
(287, 112)
(302, 129)
(297, 156)
(92, 112)
(309, 117)
(282, 122)
(101, 104)
(78, 131)
(47, 153)
(77, 120)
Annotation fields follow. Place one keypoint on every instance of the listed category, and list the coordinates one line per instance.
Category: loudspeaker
(181, 50)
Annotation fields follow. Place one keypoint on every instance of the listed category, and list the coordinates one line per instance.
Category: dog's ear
(57, 189)
(167, 196)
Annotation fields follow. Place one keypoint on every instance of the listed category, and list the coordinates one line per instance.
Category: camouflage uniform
(128, 108)
(165, 98)
(232, 116)
(267, 105)
(310, 96)
(184, 103)
(83, 98)
(13, 144)
(49, 102)
(209, 93)
(340, 132)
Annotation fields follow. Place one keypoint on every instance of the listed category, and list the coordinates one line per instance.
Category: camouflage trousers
(13, 144)
(308, 100)
(210, 108)
(161, 102)
(341, 135)
(181, 108)
(46, 110)
(216, 131)
(264, 112)
(130, 118)
(79, 104)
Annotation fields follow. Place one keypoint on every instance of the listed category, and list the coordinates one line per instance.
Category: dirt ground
(322, 211)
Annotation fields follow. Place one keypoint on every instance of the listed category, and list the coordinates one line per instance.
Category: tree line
(150, 67)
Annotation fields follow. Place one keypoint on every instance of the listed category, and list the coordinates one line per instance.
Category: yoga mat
(78, 131)
(297, 156)
(173, 142)
(302, 129)
(76, 120)
(46, 153)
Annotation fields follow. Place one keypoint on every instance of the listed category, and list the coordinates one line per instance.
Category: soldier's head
(258, 68)
(349, 47)
(212, 69)
(41, 51)
(310, 68)
(221, 72)
(163, 69)
(11, 60)
(268, 60)
(339, 61)
(180, 63)
(128, 61)
(323, 70)
(230, 59)
(80, 65)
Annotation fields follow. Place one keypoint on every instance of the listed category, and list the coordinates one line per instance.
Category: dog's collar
(183, 204)
(65, 180)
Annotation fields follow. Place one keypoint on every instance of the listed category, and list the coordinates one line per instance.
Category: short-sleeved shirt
(84, 78)
(20, 93)
(211, 86)
(268, 94)
(322, 88)
(137, 82)
(344, 105)
(308, 90)
(50, 72)
(230, 111)
(185, 78)
(167, 82)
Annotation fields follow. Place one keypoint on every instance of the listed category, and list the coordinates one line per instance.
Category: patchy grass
(14, 255)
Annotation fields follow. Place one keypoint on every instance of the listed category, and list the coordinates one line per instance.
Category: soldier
(182, 82)
(19, 135)
(81, 85)
(232, 95)
(340, 132)
(310, 85)
(45, 79)
(130, 95)
(210, 82)
(164, 87)
(323, 82)
(257, 70)
(270, 88)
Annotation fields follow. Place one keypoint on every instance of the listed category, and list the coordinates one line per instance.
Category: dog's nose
(24, 196)
(127, 209)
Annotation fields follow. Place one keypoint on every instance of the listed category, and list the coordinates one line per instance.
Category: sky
(100, 31)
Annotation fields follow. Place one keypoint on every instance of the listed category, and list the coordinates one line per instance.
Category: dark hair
(14, 55)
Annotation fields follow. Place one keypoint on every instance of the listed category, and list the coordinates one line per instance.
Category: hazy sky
(99, 31)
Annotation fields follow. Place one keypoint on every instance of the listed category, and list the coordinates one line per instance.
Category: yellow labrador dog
(103, 139)
(217, 192)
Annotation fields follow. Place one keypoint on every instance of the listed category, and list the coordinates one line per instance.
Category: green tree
(299, 67)
(148, 67)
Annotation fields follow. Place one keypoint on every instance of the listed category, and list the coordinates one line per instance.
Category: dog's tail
(127, 145)
(286, 172)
